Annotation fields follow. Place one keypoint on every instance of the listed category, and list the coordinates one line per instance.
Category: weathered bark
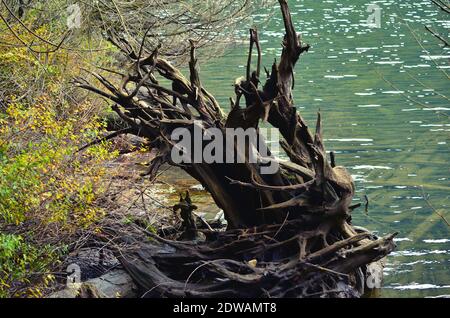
(298, 216)
(286, 260)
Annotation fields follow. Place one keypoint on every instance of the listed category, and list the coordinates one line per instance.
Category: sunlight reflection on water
(386, 120)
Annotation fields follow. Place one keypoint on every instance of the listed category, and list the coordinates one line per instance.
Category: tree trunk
(293, 224)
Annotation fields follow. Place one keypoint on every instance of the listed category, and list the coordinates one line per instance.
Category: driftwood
(188, 225)
(289, 233)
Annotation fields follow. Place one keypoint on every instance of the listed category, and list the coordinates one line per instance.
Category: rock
(128, 143)
(114, 284)
(197, 187)
(92, 262)
(220, 218)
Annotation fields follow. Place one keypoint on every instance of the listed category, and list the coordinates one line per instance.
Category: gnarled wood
(292, 224)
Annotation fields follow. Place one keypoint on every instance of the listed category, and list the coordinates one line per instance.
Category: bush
(46, 186)
(44, 181)
(42, 177)
(22, 265)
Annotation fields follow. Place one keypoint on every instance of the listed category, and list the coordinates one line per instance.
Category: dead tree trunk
(300, 237)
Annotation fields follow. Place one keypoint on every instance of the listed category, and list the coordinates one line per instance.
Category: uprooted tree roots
(289, 233)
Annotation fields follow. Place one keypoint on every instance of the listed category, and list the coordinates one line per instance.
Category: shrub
(46, 186)
(42, 177)
(23, 266)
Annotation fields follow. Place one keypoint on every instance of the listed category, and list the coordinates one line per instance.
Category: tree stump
(289, 233)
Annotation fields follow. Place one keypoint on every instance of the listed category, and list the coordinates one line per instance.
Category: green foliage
(42, 177)
(22, 264)
(44, 180)
(30, 66)
(46, 185)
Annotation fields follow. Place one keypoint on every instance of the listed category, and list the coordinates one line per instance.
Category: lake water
(386, 115)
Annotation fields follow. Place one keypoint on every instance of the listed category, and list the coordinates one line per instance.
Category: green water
(392, 145)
